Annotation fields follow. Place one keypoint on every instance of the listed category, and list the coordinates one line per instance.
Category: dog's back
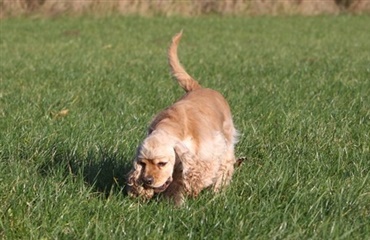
(199, 114)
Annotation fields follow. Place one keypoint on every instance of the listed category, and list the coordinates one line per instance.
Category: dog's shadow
(104, 170)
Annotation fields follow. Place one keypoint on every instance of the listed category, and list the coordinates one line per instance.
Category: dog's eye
(162, 164)
(141, 164)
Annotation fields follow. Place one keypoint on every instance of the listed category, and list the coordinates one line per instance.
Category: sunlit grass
(76, 96)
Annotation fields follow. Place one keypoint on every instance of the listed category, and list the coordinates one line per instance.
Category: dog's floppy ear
(191, 173)
(180, 149)
(133, 179)
(134, 174)
(184, 157)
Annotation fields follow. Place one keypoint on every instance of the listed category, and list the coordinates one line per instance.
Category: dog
(189, 145)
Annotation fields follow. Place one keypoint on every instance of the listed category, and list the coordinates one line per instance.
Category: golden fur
(189, 146)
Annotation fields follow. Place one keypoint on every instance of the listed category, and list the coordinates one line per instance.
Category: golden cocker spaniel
(190, 144)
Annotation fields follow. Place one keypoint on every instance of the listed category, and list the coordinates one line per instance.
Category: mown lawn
(76, 96)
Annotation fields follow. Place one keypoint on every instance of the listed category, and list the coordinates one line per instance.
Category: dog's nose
(148, 180)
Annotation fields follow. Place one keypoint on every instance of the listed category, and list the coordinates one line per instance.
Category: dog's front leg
(175, 193)
(191, 172)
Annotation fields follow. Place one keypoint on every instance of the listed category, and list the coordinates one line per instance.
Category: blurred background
(53, 8)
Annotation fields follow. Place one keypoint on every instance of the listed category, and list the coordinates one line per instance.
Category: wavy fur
(190, 144)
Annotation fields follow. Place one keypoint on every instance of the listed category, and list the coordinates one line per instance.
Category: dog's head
(156, 160)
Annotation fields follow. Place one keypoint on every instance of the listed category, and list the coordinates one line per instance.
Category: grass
(76, 95)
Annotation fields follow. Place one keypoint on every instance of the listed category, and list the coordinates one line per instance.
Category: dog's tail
(186, 81)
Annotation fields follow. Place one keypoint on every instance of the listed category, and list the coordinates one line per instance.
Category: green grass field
(76, 96)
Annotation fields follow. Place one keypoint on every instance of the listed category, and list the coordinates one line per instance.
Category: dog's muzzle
(161, 188)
